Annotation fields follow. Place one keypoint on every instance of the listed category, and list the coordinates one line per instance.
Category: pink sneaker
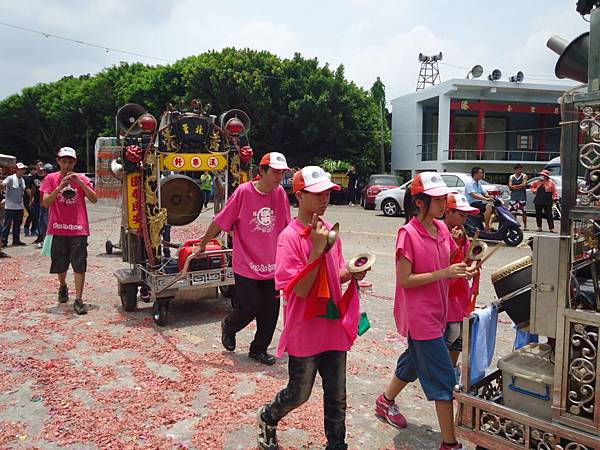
(458, 445)
(388, 412)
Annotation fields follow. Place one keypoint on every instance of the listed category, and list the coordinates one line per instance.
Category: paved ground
(115, 380)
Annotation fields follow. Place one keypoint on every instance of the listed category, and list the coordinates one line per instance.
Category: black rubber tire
(227, 291)
(109, 247)
(513, 236)
(160, 311)
(369, 206)
(391, 208)
(128, 296)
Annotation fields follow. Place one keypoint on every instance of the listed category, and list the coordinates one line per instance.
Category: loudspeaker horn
(117, 169)
(127, 119)
(518, 78)
(182, 198)
(236, 121)
(573, 58)
(495, 75)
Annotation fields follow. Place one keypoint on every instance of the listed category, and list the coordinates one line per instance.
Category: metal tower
(429, 74)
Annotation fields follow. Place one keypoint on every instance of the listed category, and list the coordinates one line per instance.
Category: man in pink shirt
(64, 193)
(317, 343)
(256, 213)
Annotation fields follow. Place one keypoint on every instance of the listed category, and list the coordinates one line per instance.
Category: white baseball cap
(430, 183)
(20, 166)
(460, 203)
(67, 151)
(274, 160)
(313, 179)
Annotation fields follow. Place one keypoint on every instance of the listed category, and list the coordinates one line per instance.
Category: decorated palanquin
(160, 165)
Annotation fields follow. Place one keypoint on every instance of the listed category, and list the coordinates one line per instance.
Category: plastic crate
(528, 379)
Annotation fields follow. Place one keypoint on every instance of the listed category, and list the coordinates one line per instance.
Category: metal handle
(543, 287)
(513, 387)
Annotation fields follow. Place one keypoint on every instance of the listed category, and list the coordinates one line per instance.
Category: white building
(460, 123)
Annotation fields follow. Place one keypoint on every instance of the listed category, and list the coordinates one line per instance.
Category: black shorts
(68, 250)
(479, 204)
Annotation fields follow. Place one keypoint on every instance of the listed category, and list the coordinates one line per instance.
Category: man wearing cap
(64, 193)
(257, 212)
(15, 190)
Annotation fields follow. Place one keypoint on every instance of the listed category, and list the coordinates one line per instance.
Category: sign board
(193, 161)
(134, 184)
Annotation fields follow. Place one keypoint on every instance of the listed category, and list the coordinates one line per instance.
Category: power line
(89, 44)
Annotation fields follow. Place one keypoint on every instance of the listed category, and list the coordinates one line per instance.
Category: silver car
(391, 201)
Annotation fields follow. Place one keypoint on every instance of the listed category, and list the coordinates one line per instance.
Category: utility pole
(382, 150)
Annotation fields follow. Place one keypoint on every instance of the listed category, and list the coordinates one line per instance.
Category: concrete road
(112, 379)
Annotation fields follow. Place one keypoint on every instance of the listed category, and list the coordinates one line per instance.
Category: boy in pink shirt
(314, 342)
(457, 208)
(256, 213)
(64, 193)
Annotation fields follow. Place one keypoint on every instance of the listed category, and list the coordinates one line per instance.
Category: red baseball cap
(313, 179)
(275, 160)
(460, 203)
(430, 183)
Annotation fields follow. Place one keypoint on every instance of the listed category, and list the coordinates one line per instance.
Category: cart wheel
(227, 291)
(129, 297)
(109, 247)
(160, 310)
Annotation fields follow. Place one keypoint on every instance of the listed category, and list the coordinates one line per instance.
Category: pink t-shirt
(302, 337)
(256, 219)
(421, 312)
(67, 216)
(458, 304)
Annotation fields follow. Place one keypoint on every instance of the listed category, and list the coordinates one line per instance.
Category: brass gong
(182, 198)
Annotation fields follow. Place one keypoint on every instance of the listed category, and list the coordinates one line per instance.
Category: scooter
(509, 228)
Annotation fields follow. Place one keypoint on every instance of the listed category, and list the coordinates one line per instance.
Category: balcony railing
(429, 152)
(501, 155)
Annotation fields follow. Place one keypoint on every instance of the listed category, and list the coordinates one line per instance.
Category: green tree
(297, 106)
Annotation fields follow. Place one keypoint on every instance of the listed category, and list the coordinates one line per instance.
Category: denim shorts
(429, 361)
(453, 336)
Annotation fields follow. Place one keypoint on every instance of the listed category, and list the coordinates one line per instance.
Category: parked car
(375, 184)
(391, 201)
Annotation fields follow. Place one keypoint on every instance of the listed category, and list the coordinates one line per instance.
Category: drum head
(182, 198)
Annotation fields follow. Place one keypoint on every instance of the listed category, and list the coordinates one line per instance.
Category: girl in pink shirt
(424, 248)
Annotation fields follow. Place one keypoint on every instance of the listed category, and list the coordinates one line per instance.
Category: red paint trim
(476, 105)
(542, 137)
(451, 137)
(480, 133)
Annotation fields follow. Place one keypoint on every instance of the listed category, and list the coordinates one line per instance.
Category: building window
(465, 137)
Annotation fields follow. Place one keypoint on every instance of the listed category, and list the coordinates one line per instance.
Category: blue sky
(370, 37)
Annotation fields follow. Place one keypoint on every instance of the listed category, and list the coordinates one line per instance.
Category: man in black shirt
(352, 182)
(32, 200)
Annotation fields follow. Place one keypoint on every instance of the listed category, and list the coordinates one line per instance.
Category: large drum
(510, 279)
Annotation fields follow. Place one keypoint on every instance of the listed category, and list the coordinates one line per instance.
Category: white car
(391, 201)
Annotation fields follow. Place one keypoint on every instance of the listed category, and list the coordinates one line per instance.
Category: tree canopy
(305, 110)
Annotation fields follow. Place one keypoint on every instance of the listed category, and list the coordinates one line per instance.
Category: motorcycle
(509, 228)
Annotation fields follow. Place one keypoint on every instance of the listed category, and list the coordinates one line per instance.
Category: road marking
(369, 233)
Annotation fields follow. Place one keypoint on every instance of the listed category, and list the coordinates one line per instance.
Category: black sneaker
(79, 307)
(267, 434)
(262, 357)
(228, 340)
(63, 294)
(18, 243)
(4, 255)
